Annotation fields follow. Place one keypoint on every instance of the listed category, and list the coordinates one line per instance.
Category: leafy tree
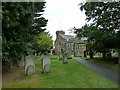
(16, 23)
(105, 16)
(18, 28)
(102, 32)
(95, 38)
(43, 43)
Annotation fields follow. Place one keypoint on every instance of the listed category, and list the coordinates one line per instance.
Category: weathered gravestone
(41, 57)
(21, 63)
(29, 65)
(46, 64)
(65, 59)
(61, 57)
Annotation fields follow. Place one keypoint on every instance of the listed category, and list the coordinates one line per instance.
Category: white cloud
(62, 15)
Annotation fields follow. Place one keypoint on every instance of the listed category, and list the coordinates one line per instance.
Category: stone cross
(29, 65)
(46, 64)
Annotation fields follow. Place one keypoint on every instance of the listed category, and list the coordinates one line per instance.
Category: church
(70, 43)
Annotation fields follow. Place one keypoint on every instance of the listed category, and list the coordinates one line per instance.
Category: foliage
(103, 32)
(43, 42)
(105, 17)
(39, 21)
(98, 60)
(18, 28)
(17, 21)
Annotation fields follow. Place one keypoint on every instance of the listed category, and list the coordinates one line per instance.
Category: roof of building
(67, 37)
(84, 38)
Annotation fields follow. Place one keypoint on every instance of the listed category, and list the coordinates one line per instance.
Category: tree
(17, 24)
(39, 22)
(43, 43)
(105, 17)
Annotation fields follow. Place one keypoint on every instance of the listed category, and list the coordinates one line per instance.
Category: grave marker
(65, 59)
(46, 64)
(29, 65)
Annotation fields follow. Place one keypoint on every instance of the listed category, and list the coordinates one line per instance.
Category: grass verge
(71, 75)
(100, 61)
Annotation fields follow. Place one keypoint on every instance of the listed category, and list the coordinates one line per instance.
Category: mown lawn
(71, 75)
(107, 63)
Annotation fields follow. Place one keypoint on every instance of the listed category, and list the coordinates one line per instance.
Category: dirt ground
(9, 74)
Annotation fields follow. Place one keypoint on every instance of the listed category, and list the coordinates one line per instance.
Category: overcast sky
(62, 15)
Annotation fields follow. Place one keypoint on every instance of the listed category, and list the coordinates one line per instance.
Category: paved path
(104, 71)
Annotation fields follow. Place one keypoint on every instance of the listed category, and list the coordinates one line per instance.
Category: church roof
(84, 38)
(67, 37)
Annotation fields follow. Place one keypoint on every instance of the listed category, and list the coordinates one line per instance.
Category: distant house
(69, 43)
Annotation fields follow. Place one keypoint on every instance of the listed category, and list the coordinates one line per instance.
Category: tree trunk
(91, 54)
(104, 54)
(85, 54)
(109, 55)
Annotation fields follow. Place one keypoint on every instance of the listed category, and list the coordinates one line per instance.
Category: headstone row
(29, 65)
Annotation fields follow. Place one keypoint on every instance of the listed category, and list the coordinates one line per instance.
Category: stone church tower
(59, 41)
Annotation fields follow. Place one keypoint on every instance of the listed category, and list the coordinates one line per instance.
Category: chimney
(59, 32)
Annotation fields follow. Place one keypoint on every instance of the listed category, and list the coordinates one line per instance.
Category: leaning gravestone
(65, 59)
(29, 65)
(46, 64)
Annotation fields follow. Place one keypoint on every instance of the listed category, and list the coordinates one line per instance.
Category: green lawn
(100, 61)
(71, 75)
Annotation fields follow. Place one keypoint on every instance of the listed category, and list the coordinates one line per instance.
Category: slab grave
(29, 65)
(65, 59)
(46, 64)
(60, 57)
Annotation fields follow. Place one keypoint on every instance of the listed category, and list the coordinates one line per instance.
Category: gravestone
(65, 59)
(29, 65)
(41, 57)
(61, 57)
(46, 64)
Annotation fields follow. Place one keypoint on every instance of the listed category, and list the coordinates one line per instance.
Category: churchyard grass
(100, 61)
(70, 75)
